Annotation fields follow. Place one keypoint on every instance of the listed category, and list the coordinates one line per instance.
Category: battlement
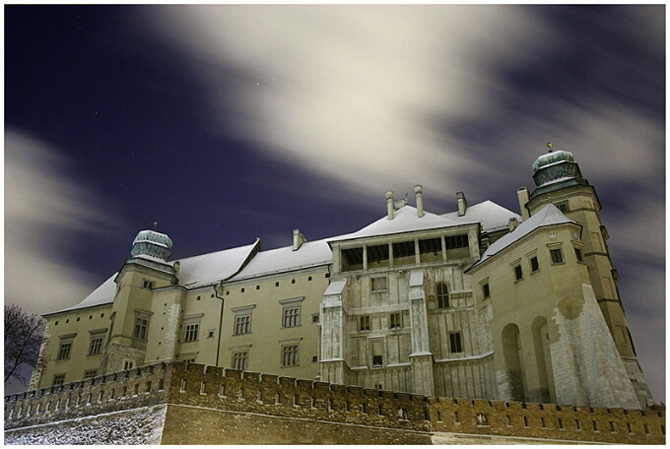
(198, 388)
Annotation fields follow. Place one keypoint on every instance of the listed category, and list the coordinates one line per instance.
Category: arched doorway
(511, 352)
(540, 331)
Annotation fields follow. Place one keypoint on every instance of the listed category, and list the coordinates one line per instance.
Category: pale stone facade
(480, 303)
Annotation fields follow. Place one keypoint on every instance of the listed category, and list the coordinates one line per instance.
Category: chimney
(418, 189)
(389, 204)
(298, 239)
(522, 194)
(512, 224)
(462, 203)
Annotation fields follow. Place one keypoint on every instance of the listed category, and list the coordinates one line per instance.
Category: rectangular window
(96, 346)
(242, 324)
(64, 350)
(377, 360)
(563, 207)
(534, 265)
(59, 379)
(455, 340)
(556, 255)
(191, 332)
(378, 284)
(148, 285)
(365, 323)
(486, 290)
(518, 274)
(90, 373)
(127, 365)
(290, 355)
(578, 254)
(396, 320)
(240, 360)
(291, 317)
(141, 326)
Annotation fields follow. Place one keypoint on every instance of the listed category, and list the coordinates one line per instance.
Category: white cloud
(45, 210)
(349, 92)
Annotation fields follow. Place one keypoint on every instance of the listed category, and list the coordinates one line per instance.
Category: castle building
(479, 303)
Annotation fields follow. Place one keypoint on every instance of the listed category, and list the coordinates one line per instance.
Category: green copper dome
(153, 244)
(551, 158)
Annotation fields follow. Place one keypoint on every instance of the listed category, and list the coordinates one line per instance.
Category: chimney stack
(418, 189)
(522, 195)
(298, 239)
(512, 224)
(462, 203)
(390, 209)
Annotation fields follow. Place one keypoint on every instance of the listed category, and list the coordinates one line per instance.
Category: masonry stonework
(193, 403)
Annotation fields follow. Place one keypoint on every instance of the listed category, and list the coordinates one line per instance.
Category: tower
(559, 181)
(130, 323)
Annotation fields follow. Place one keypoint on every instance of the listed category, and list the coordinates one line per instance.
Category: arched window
(442, 296)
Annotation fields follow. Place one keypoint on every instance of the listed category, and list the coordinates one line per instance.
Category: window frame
(395, 320)
(455, 343)
(58, 379)
(291, 312)
(442, 295)
(556, 251)
(364, 319)
(65, 347)
(191, 332)
(95, 346)
(382, 280)
(518, 273)
(290, 355)
(240, 360)
(240, 315)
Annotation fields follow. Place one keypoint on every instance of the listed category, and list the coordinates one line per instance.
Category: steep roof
(284, 259)
(104, 294)
(405, 220)
(547, 216)
(491, 215)
(208, 269)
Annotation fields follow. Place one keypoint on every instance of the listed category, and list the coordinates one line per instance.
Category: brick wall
(231, 406)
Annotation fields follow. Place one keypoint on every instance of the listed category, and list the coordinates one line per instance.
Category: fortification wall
(231, 406)
(123, 407)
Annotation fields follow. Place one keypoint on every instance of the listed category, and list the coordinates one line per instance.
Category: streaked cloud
(46, 215)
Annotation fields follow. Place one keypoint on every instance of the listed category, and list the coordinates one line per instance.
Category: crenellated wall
(232, 406)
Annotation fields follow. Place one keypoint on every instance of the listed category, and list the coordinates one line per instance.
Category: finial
(406, 200)
(549, 145)
(155, 225)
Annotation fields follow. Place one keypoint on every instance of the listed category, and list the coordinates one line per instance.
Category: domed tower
(142, 274)
(559, 180)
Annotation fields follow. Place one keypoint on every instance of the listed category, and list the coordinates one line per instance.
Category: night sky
(224, 123)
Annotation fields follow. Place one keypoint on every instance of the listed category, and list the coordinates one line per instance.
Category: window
(59, 379)
(290, 355)
(291, 317)
(141, 326)
(315, 318)
(64, 350)
(396, 320)
(96, 346)
(455, 340)
(486, 290)
(563, 207)
(377, 360)
(240, 360)
(90, 373)
(518, 274)
(534, 265)
(191, 332)
(148, 284)
(378, 284)
(365, 323)
(556, 255)
(578, 254)
(242, 324)
(127, 364)
(442, 296)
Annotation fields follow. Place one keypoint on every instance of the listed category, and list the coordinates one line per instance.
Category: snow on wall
(138, 426)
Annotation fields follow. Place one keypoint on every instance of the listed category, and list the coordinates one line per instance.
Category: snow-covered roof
(405, 219)
(104, 294)
(491, 215)
(285, 259)
(210, 268)
(549, 215)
